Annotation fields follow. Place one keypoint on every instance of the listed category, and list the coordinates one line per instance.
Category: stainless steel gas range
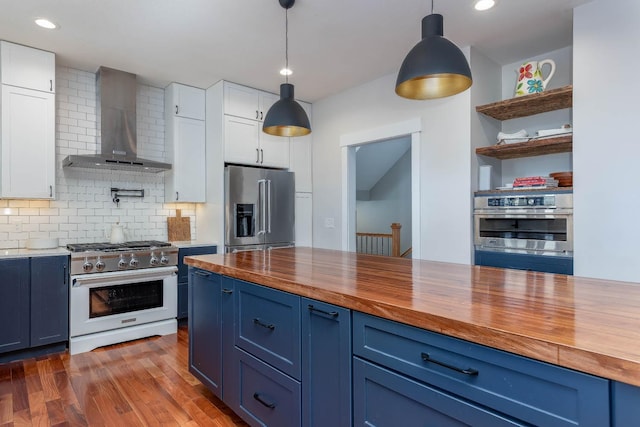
(120, 292)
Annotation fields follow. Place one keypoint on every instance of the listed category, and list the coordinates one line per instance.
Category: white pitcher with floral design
(530, 77)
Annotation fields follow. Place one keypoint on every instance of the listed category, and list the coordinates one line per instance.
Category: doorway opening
(407, 133)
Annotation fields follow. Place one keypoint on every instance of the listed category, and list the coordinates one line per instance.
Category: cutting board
(179, 227)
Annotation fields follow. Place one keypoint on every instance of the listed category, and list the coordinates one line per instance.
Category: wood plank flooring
(139, 383)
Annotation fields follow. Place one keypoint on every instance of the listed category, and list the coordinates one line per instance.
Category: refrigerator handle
(262, 216)
(268, 226)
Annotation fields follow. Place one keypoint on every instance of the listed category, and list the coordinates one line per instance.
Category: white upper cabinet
(185, 101)
(28, 144)
(27, 67)
(242, 101)
(244, 141)
(185, 144)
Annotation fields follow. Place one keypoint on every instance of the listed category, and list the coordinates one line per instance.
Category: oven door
(106, 301)
(533, 233)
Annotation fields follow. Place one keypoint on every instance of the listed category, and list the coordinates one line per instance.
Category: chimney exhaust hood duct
(116, 95)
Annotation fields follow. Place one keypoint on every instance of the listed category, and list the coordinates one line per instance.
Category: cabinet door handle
(177, 196)
(259, 322)
(64, 275)
(261, 156)
(202, 273)
(227, 291)
(466, 371)
(51, 191)
(177, 109)
(257, 156)
(259, 398)
(333, 314)
(50, 85)
(261, 115)
(257, 114)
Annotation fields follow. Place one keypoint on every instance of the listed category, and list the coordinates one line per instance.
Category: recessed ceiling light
(286, 72)
(45, 23)
(484, 4)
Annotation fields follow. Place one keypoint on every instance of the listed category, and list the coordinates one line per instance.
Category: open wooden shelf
(528, 105)
(536, 147)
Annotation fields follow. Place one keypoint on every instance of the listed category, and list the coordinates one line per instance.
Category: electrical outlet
(329, 223)
(17, 227)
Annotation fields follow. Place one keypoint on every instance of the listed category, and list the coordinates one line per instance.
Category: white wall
(390, 201)
(83, 208)
(606, 149)
(445, 162)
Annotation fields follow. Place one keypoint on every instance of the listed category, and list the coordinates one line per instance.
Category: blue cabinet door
(183, 270)
(205, 334)
(230, 392)
(326, 364)
(625, 404)
(14, 304)
(49, 300)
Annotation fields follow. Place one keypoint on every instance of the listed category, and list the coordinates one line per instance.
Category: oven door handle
(122, 277)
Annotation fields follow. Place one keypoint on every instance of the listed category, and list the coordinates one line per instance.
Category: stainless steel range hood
(116, 95)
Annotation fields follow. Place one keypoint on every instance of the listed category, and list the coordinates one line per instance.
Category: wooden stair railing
(380, 243)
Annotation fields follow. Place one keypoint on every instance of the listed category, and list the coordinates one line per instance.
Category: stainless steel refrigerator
(259, 208)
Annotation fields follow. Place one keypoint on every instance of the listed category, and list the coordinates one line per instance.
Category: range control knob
(87, 266)
(163, 259)
(154, 260)
(122, 264)
(134, 261)
(100, 265)
(531, 202)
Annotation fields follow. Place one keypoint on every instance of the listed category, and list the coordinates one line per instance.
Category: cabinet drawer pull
(257, 114)
(51, 191)
(261, 156)
(227, 291)
(177, 109)
(259, 322)
(467, 371)
(261, 115)
(202, 273)
(333, 314)
(259, 398)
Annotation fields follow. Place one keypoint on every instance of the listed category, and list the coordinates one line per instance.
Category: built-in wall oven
(525, 230)
(121, 292)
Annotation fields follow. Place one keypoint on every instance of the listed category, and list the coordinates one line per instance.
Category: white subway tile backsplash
(84, 210)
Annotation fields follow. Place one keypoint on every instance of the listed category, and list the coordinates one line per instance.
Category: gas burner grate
(112, 247)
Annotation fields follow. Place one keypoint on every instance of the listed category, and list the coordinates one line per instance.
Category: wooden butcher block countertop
(585, 324)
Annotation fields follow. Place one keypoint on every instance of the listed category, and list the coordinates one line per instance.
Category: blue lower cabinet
(183, 270)
(534, 392)
(383, 398)
(267, 397)
(205, 329)
(14, 304)
(49, 300)
(326, 364)
(625, 404)
(545, 264)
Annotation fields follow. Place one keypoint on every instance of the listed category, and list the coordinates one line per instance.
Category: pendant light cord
(286, 43)
(432, 7)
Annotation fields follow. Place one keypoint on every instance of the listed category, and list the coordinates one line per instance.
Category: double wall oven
(121, 292)
(532, 231)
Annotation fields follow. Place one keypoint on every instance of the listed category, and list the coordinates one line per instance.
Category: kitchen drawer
(183, 269)
(268, 326)
(383, 398)
(267, 397)
(525, 389)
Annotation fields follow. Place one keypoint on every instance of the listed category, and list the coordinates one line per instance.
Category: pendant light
(435, 67)
(286, 117)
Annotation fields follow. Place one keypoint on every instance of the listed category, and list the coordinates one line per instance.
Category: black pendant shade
(286, 117)
(435, 67)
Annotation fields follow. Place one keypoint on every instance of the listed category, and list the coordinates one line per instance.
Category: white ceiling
(333, 44)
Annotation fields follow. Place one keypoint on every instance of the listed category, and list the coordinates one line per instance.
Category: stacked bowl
(565, 179)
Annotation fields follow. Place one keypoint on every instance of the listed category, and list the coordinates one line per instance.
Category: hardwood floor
(139, 383)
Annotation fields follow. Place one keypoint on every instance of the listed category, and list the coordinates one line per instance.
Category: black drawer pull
(202, 273)
(259, 322)
(257, 397)
(227, 291)
(326, 313)
(467, 371)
